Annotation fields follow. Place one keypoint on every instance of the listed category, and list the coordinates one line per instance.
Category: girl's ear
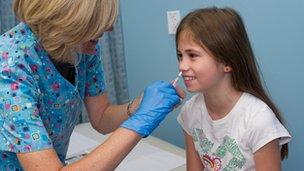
(227, 68)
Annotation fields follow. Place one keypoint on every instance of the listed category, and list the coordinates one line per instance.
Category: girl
(39, 106)
(231, 123)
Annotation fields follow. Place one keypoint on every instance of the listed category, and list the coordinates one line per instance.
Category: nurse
(49, 66)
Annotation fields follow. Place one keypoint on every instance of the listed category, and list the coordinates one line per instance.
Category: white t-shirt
(229, 143)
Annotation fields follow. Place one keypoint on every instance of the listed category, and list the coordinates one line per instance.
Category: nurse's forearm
(105, 117)
(114, 115)
(112, 118)
(108, 155)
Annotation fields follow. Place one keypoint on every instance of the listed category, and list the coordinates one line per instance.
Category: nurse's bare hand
(181, 93)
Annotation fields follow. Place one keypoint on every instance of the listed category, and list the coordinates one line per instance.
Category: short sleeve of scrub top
(95, 83)
(22, 129)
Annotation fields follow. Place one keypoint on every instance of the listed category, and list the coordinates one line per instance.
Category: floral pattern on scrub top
(39, 108)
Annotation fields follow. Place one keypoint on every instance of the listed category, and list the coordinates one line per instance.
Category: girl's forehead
(190, 39)
(189, 36)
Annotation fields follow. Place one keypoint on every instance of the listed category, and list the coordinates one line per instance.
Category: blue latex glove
(158, 100)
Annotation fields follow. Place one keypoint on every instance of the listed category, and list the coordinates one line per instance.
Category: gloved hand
(158, 100)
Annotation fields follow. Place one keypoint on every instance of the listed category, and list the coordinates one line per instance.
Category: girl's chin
(193, 89)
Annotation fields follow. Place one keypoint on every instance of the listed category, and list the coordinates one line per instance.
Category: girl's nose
(183, 65)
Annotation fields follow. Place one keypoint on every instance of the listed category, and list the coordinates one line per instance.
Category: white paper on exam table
(143, 157)
(149, 158)
(80, 144)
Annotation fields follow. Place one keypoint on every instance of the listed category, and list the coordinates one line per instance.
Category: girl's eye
(193, 55)
(179, 56)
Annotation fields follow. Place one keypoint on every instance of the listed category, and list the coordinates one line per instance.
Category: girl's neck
(221, 101)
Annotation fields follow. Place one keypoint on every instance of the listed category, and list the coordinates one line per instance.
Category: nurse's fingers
(180, 92)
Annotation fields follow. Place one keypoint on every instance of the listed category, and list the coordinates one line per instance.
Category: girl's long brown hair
(222, 32)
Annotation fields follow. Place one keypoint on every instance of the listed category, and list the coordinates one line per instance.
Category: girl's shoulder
(190, 113)
(256, 113)
(252, 104)
(192, 108)
(261, 125)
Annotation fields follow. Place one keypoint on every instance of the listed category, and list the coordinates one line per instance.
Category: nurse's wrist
(133, 105)
(129, 106)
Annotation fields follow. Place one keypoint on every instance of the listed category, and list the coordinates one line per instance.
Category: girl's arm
(193, 160)
(268, 158)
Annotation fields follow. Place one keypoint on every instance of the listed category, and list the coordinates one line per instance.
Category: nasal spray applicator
(174, 83)
(176, 79)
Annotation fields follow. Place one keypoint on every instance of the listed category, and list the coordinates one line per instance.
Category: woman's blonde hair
(62, 25)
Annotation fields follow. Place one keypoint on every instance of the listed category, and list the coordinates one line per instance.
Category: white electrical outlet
(173, 21)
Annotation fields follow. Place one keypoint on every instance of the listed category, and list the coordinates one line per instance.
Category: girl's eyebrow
(191, 50)
(188, 51)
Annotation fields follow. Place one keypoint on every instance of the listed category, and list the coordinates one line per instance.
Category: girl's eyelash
(179, 55)
(193, 55)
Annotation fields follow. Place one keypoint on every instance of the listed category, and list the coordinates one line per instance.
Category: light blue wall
(276, 30)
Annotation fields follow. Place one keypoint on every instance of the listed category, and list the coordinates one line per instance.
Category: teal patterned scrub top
(39, 108)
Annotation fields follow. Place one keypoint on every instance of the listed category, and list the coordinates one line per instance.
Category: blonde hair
(62, 25)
